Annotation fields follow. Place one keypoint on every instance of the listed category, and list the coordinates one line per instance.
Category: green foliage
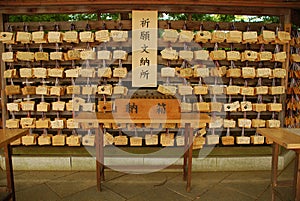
(163, 16)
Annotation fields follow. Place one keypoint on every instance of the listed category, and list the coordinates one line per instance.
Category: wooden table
(187, 120)
(6, 137)
(288, 138)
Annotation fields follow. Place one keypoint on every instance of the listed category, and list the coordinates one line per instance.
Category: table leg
(101, 151)
(186, 149)
(297, 176)
(9, 171)
(274, 173)
(190, 159)
(98, 165)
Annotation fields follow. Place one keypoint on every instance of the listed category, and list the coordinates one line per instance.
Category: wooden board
(288, 138)
(147, 108)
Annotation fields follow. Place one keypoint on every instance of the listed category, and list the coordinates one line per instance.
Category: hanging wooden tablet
(102, 36)
(58, 123)
(185, 72)
(43, 107)
(169, 54)
(59, 140)
(57, 91)
(200, 90)
(71, 37)
(231, 107)
(167, 139)
(26, 72)
(40, 72)
(25, 56)
(202, 36)
(201, 55)
(274, 107)
(185, 90)
(72, 55)
(245, 106)
(74, 90)
(105, 90)
(73, 73)
(10, 73)
(58, 106)
(74, 140)
(249, 37)
(198, 142)
(217, 36)
(263, 72)
(151, 139)
(216, 122)
(279, 57)
(29, 90)
(29, 139)
(244, 123)
(216, 89)
(12, 123)
(105, 72)
(212, 139)
(249, 55)
(43, 123)
(7, 37)
(258, 123)
(55, 37)
(259, 107)
(186, 55)
(247, 91)
(261, 90)
(277, 90)
(279, 73)
(120, 55)
(41, 56)
(119, 36)
(232, 90)
(179, 140)
(88, 107)
(86, 36)
(201, 107)
(257, 139)
(185, 107)
(88, 140)
(120, 90)
(264, 56)
(23, 37)
(44, 139)
(215, 106)
(120, 72)
(283, 37)
(185, 36)
(234, 36)
(167, 90)
(57, 56)
(88, 54)
(229, 123)
(72, 124)
(56, 72)
(105, 106)
(8, 57)
(108, 139)
(136, 141)
(42, 90)
(170, 35)
(89, 90)
(28, 105)
(13, 107)
(233, 55)
(243, 140)
(120, 140)
(218, 55)
(218, 71)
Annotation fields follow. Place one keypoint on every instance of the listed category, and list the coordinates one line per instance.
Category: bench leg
(9, 171)
(274, 173)
(190, 159)
(297, 176)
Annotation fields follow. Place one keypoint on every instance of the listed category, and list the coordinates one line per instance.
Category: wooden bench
(288, 138)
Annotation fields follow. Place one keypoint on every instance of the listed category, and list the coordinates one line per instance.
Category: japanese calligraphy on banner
(144, 48)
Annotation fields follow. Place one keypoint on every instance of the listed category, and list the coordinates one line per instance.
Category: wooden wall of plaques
(235, 72)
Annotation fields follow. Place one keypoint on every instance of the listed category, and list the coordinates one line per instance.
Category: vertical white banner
(144, 48)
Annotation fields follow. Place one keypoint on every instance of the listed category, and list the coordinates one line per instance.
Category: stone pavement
(167, 186)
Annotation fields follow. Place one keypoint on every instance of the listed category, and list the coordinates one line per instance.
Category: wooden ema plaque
(147, 108)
